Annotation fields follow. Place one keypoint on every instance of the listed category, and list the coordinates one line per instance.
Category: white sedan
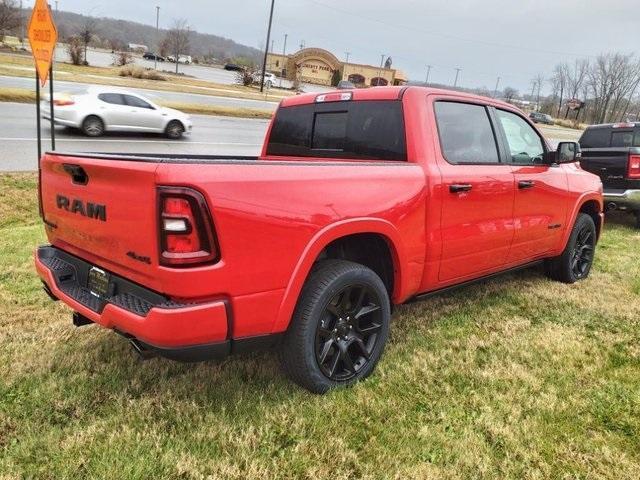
(109, 110)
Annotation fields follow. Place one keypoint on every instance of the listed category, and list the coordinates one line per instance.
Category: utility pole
(347, 54)
(538, 100)
(272, 44)
(155, 55)
(380, 69)
(429, 67)
(495, 90)
(302, 45)
(455, 82)
(266, 48)
(21, 24)
(284, 58)
(56, 6)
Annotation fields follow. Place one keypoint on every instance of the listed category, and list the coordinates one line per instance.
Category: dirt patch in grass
(517, 377)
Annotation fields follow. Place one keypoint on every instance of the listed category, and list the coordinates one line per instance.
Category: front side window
(466, 135)
(137, 102)
(525, 145)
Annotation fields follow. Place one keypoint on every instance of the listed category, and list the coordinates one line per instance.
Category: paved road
(73, 87)
(211, 135)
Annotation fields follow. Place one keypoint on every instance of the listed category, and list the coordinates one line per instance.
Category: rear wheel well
(592, 208)
(369, 249)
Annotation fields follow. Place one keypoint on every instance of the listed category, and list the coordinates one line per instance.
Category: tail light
(63, 102)
(634, 167)
(187, 236)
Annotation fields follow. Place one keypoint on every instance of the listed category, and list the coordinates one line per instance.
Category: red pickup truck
(360, 200)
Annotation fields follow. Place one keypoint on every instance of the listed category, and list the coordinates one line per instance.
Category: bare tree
(559, 84)
(177, 40)
(576, 80)
(611, 78)
(86, 34)
(10, 17)
(509, 94)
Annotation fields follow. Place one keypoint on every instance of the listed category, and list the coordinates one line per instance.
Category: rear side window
(622, 139)
(466, 135)
(369, 130)
(596, 138)
(112, 98)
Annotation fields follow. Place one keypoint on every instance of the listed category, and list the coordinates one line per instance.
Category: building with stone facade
(321, 67)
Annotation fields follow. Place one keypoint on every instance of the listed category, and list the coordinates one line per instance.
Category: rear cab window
(609, 136)
(364, 129)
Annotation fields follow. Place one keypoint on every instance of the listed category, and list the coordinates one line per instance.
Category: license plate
(98, 282)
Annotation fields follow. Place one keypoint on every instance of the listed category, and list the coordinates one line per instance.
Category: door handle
(522, 184)
(460, 187)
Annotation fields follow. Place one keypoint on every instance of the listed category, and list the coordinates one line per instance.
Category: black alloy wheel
(575, 262)
(582, 254)
(339, 327)
(347, 332)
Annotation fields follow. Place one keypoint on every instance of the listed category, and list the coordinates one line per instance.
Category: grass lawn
(515, 378)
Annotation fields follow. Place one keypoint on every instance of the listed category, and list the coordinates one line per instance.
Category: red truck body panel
(273, 216)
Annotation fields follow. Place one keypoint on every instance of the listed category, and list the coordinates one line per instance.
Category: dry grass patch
(135, 71)
(514, 378)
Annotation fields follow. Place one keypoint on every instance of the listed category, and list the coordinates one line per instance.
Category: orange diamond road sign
(43, 37)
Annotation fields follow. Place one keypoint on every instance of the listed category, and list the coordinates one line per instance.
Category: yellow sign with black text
(43, 37)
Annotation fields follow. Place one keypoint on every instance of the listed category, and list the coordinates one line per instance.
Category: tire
(93, 126)
(637, 214)
(174, 130)
(339, 328)
(577, 258)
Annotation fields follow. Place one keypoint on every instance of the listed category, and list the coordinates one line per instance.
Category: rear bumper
(626, 200)
(188, 332)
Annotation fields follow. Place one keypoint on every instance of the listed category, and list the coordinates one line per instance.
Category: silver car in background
(101, 110)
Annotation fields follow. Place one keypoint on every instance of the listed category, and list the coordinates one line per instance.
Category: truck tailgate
(103, 211)
(610, 164)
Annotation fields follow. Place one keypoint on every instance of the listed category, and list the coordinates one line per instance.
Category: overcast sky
(513, 39)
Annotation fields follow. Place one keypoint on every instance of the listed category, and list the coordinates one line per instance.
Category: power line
(449, 36)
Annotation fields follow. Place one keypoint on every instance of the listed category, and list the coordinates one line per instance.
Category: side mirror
(567, 152)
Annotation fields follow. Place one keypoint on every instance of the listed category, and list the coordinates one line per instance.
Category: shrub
(245, 76)
(134, 71)
(121, 58)
(75, 51)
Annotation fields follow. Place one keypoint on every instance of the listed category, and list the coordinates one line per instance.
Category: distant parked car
(103, 110)
(153, 56)
(232, 67)
(269, 79)
(537, 117)
(345, 85)
(186, 59)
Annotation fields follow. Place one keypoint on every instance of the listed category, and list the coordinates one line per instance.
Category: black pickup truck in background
(612, 152)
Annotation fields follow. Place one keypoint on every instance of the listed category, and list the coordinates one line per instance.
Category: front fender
(320, 241)
(584, 198)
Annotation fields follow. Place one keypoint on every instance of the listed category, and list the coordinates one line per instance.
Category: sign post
(43, 37)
